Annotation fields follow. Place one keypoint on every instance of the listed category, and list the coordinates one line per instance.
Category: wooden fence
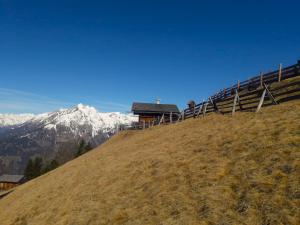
(250, 95)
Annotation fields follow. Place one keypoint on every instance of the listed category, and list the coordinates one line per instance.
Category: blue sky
(58, 53)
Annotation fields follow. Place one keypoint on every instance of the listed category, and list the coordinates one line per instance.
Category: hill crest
(213, 170)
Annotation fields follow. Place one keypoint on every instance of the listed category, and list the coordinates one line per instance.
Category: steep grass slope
(214, 170)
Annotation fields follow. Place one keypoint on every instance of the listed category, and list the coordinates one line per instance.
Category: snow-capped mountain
(74, 117)
(54, 135)
(82, 115)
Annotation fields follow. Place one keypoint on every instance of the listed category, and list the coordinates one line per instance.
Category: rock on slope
(214, 170)
(54, 134)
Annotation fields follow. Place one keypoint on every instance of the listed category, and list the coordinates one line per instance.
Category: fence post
(238, 85)
(171, 117)
(162, 120)
(214, 104)
(270, 95)
(204, 110)
(261, 79)
(200, 108)
(279, 72)
(183, 115)
(261, 101)
(236, 97)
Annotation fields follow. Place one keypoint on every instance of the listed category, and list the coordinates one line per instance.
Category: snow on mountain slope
(14, 119)
(72, 118)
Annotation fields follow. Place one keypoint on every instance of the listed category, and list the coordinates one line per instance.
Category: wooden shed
(10, 181)
(151, 112)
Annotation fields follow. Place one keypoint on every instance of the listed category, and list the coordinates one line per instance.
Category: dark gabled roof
(154, 108)
(11, 178)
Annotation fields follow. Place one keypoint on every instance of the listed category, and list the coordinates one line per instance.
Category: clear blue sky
(110, 53)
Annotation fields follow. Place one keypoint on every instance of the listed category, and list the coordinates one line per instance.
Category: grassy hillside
(215, 170)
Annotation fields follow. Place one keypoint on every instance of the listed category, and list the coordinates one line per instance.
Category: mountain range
(53, 135)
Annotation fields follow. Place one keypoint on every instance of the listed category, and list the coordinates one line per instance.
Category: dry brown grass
(215, 170)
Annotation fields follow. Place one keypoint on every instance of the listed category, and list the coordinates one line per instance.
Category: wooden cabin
(153, 112)
(10, 181)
